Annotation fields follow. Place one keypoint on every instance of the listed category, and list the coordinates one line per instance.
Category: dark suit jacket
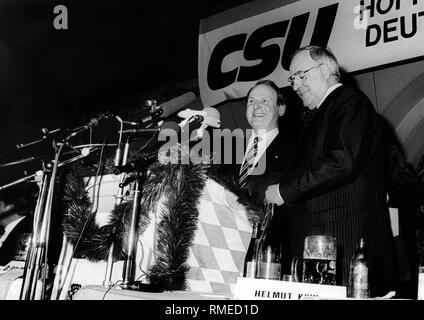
(279, 155)
(338, 184)
(406, 194)
(8, 249)
(278, 159)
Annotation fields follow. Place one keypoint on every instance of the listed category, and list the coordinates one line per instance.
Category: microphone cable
(147, 143)
(92, 213)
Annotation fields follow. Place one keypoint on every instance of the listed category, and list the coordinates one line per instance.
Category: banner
(361, 33)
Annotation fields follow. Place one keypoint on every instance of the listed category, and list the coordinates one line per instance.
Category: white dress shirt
(331, 89)
(265, 139)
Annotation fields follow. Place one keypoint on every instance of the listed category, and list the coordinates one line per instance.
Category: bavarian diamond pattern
(219, 246)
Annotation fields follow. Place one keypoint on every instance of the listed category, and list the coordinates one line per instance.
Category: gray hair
(323, 56)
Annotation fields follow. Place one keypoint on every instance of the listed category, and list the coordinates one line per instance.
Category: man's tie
(307, 115)
(247, 166)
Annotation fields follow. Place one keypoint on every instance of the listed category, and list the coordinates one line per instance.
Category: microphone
(94, 121)
(46, 133)
(118, 152)
(171, 106)
(99, 117)
(209, 117)
(212, 118)
(165, 125)
(168, 129)
(143, 130)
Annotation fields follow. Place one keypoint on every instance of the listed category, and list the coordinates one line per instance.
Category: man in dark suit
(338, 177)
(276, 141)
(264, 109)
(268, 117)
(406, 195)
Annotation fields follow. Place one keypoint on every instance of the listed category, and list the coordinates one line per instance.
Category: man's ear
(325, 71)
(281, 110)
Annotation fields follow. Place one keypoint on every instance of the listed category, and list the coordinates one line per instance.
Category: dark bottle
(269, 250)
(249, 270)
(420, 294)
(358, 277)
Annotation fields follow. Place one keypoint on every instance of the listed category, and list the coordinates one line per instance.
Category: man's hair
(323, 56)
(271, 84)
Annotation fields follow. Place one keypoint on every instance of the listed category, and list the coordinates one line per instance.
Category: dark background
(110, 55)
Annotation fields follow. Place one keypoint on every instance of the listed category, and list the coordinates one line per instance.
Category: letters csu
(269, 55)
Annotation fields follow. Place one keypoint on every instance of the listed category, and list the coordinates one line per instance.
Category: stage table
(94, 292)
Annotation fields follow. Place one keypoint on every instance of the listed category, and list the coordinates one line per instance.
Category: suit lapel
(316, 120)
(271, 152)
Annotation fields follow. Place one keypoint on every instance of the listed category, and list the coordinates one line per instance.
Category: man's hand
(272, 195)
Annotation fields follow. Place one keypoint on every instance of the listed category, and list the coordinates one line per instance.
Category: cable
(90, 216)
(91, 211)
(144, 273)
(112, 287)
(147, 143)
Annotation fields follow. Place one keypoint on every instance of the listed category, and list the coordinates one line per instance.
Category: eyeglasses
(300, 75)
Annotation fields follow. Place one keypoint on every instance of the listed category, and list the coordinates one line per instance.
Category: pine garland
(178, 225)
(177, 187)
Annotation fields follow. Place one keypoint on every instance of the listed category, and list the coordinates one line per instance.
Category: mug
(294, 271)
(319, 260)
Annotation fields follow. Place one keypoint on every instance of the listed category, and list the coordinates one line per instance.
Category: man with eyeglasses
(337, 181)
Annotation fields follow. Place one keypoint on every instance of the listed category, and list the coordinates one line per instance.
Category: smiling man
(337, 181)
(263, 107)
(268, 152)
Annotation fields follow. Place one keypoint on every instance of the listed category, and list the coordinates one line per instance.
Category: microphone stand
(36, 262)
(36, 267)
(107, 283)
(128, 273)
(139, 175)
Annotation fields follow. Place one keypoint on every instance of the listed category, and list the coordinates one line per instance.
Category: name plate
(261, 289)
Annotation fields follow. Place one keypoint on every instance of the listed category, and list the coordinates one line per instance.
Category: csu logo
(269, 55)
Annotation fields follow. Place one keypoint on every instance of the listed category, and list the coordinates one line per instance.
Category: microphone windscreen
(212, 113)
(173, 105)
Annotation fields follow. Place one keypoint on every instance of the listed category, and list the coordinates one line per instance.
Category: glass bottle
(420, 295)
(358, 277)
(249, 270)
(269, 249)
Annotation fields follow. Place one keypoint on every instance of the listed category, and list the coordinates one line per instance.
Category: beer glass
(319, 260)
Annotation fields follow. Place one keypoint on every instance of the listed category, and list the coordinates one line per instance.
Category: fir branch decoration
(172, 192)
(178, 225)
(78, 208)
(79, 227)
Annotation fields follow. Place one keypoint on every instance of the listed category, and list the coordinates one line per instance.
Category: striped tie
(247, 166)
